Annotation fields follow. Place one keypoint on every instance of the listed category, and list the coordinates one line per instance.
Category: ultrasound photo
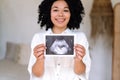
(59, 45)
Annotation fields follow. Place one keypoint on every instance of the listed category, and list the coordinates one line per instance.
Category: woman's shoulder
(38, 34)
(81, 39)
(38, 37)
(80, 34)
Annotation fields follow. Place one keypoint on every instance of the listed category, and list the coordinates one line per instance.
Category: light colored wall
(18, 23)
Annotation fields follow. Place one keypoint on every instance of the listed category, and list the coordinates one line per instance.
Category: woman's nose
(61, 14)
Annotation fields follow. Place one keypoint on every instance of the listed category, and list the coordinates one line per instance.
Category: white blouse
(60, 68)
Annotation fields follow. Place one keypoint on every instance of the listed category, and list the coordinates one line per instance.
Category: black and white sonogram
(59, 44)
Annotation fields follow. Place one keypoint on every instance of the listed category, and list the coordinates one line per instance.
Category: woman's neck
(58, 30)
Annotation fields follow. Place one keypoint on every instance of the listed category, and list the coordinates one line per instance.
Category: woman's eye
(55, 10)
(66, 10)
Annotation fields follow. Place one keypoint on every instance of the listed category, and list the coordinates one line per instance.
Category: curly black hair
(76, 10)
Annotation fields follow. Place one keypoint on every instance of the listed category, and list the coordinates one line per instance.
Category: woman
(59, 17)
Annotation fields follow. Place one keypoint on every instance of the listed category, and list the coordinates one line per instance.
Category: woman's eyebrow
(57, 7)
(54, 7)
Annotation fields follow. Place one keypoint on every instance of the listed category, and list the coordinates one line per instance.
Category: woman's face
(60, 14)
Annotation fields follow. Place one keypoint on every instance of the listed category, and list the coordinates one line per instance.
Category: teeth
(60, 20)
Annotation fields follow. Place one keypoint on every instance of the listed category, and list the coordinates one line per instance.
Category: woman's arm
(38, 67)
(79, 66)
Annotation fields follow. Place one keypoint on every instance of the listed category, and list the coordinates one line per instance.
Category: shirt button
(58, 64)
(57, 74)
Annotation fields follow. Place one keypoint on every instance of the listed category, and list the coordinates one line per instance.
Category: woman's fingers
(39, 51)
(80, 51)
(39, 47)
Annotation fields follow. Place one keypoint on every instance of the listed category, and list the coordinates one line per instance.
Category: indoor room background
(18, 24)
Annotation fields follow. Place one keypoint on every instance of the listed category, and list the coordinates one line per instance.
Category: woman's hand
(38, 67)
(39, 51)
(80, 52)
(79, 66)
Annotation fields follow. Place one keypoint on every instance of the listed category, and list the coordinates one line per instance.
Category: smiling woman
(59, 17)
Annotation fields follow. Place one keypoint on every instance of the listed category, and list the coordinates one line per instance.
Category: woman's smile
(60, 20)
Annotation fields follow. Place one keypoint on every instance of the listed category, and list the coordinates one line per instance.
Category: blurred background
(18, 24)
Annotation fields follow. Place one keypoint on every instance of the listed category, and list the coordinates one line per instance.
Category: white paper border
(74, 36)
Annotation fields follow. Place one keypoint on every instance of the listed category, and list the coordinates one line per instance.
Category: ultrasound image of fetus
(59, 45)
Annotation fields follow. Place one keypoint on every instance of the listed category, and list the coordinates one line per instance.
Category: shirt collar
(67, 31)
